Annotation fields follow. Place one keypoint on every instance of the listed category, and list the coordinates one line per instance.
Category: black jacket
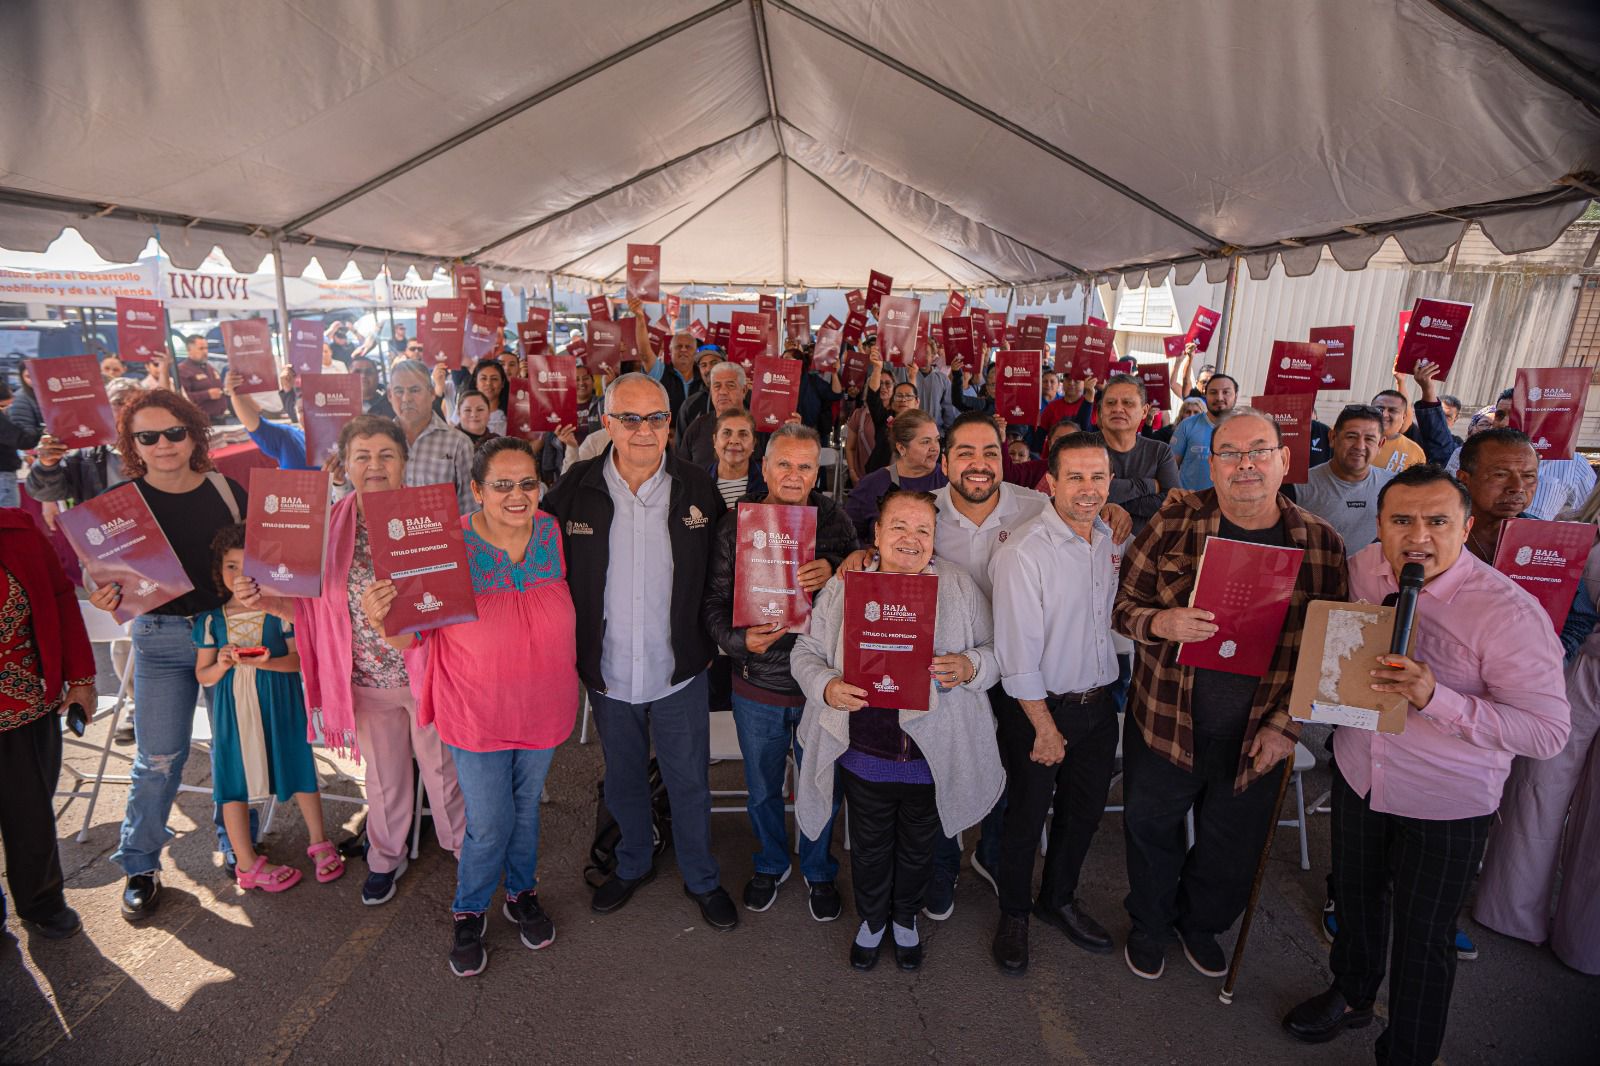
(836, 538)
(582, 502)
(82, 474)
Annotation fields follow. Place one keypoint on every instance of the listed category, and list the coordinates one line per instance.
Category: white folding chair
(583, 709)
(1188, 818)
(102, 629)
(725, 745)
(1303, 761)
(422, 810)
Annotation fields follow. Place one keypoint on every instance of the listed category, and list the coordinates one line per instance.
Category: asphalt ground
(312, 976)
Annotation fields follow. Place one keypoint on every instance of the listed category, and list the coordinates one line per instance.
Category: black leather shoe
(1081, 929)
(716, 907)
(141, 896)
(1010, 947)
(59, 926)
(908, 959)
(863, 959)
(1321, 1018)
(617, 891)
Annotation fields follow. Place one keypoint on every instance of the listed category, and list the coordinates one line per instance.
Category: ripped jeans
(164, 696)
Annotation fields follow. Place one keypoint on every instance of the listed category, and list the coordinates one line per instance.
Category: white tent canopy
(948, 143)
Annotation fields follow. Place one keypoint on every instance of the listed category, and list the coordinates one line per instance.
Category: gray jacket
(956, 733)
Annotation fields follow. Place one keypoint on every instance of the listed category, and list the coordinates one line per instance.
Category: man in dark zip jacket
(637, 529)
(767, 703)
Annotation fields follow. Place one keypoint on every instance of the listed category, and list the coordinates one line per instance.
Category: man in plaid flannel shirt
(1203, 738)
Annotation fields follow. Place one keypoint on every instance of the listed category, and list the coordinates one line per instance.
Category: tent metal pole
(1549, 63)
(388, 299)
(283, 301)
(758, 22)
(1230, 303)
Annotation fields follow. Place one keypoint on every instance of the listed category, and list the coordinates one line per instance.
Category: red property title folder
(888, 636)
(1546, 559)
(418, 543)
(286, 534)
(774, 542)
(119, 542)
(72, 399)
(1247, 588)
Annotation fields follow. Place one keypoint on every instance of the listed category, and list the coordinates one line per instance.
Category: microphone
(1405, 612)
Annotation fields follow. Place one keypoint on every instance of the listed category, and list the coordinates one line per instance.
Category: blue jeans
(164, 695)
(501, 790)
(680, 726)
(766, 734)
(9, 494)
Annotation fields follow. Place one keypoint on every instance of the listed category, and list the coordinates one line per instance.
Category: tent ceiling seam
(999, 120)
(506, 114)
(603, 193)
(758, 24)
(1551, 64)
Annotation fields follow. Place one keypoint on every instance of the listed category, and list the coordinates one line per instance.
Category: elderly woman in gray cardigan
(909, 777)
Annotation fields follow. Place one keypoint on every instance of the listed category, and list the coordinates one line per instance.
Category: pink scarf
(325, 638)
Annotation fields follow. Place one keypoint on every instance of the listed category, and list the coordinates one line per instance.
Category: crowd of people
(602, 557)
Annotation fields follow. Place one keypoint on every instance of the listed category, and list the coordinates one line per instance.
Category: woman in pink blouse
(503, 693)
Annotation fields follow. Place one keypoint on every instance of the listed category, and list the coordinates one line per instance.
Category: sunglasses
(527, 484)
(148, 437)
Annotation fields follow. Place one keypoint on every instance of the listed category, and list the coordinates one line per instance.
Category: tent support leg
(1230, 304)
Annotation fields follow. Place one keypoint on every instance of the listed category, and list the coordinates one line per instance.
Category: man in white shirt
(1058, 734)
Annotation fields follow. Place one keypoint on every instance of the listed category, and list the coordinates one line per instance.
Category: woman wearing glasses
(501, 715)
(162, 441)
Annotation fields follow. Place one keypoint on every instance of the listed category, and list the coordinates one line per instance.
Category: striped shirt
(442, 455)
(1563, 486)
(1158, 572)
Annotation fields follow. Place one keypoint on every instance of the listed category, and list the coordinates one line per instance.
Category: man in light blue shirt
(1191, 440)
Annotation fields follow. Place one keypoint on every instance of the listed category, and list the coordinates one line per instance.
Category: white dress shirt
(636, 657)
(957, 540)
(1053, 593)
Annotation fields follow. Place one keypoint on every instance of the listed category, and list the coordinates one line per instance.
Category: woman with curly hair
(162, 440)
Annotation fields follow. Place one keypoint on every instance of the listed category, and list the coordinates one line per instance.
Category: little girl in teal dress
(259, 744)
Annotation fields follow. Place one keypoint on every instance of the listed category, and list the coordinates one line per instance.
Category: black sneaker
(468, 957)
(59, 926)
(983, 871)
(1147, 957)
(940, 902)
(762, 891)
(380, 888)
(538, 931)
(826, 904)
(1204, 953)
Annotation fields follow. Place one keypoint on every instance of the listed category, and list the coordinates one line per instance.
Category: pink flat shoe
(268, 879)
(330, 865)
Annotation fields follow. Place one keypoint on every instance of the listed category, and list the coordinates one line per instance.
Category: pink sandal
(330, 865)
(276, 879)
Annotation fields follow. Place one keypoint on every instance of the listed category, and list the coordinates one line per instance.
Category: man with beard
(1344, 491)
(1058, 724)
(1201, 738)
(1191, 441)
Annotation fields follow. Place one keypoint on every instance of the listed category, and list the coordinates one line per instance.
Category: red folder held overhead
(958, 347)
(1173, 347)
(248, 342)
(117, 539)
(644, 272)
(1247, 588)
(878, 286)
(494, 305)
(1292, 412)
(599, 309)
(1434, 334)
(286, 533)
(469, 285)
(1340, 342)
(447, 322)
(1295, 367)
(418, 543)
(955, 304)
(1068, 340)
(888, 636)
(327, 404)
(532, 335)
(1157, 378)
(797, 323)
(774, 542)
(1547, 404)
(1017, 387)
(774, 391)
(552, 392)
(854, 369)
(1546, 559)
(670, 303)
(305, 345)
(142, 329)
(748, 338)
(825, 355)
(855, 324)
(1201, 327)
(897, 329)
(855, 300)
(72, 399)
(605, 345)
(480, 338)
(1094, 353)
(1031, 332)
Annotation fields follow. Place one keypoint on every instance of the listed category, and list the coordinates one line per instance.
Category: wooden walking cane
(1226, 995)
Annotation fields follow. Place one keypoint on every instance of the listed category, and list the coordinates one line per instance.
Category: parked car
(48, 338)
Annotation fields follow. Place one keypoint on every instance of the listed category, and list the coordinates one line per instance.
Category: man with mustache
(1058, 724)
(1208, 738)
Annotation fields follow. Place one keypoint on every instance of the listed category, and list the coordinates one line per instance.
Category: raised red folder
(825, 355)
(469, 285)
(1546, 559)
(878, 286)
(599, 308)
(644, 272)
(418, 543)
(774, 542)
(552, 392)
(117, 539)
(1434, 334)
(1157, 378)
(248, 342)
(1292, 412)
(286, 534)
(897, 329)
(1340, 343)
(1247, 588)
(447, 321)
(774, 391)
(142, 329)
(1547, 404)
(1201, 327)
(1017, 385)
(747, 339)
(72, 399)
(606, 344)
(327, 404)
(888, 636)
(305, 345)
(1294, 367)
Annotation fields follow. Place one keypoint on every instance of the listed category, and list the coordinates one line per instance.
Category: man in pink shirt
(1411, 812)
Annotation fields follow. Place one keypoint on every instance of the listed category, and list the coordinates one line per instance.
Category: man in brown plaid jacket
(1204, 738)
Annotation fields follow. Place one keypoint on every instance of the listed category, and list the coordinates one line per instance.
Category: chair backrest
(829, 457)
(102, 627)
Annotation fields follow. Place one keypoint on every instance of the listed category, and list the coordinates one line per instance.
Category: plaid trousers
(1420, 871)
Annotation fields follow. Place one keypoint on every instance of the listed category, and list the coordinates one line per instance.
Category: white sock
(906, 938)
(867, 938)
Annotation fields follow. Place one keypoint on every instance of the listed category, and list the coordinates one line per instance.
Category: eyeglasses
(527, 484)
(1257, 455)
(658, 420)
(148, 437)
(414, 348)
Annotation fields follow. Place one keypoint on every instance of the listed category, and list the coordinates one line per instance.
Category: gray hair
(726, 365)
(1124, 379)
(635, 378)
(795, 431)
(410, 366)
(1234, 413)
